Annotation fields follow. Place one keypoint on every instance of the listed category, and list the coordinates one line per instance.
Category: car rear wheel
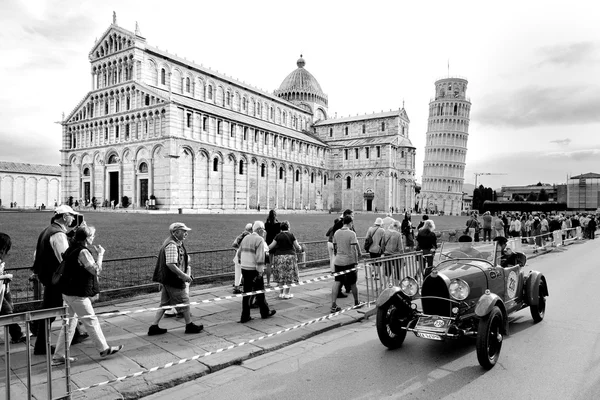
(390, 320)
(538, 312)
(489, 338)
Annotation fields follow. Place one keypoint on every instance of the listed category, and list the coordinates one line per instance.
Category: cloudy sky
(533, 67)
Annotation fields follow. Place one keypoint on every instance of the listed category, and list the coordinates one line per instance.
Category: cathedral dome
(301, 85)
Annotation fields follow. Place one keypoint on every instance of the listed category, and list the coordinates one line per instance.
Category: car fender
(487, 302)
(532, 291)
(387, 294)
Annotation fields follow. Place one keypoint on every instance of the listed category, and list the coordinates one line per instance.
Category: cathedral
(158, 129)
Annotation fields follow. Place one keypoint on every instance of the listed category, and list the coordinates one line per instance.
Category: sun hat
(177, 226)
(64, 209)
(378, 221)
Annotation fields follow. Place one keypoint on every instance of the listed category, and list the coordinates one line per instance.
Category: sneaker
(335, 309)
(193, 328)
(155, 330)
(111, 350)
(62, 360)
(269, 315)
(81, 338)
(43, 352)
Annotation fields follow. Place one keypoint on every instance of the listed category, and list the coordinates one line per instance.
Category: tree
(532, 197)
(543, 196)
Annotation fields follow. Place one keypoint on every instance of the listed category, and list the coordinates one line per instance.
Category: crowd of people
(537, 226)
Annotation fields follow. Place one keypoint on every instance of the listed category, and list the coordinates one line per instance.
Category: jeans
(253, 281)
(80, 306)
(487, 234)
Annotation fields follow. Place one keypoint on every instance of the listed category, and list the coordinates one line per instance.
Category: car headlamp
(409, 286)
(459, 289)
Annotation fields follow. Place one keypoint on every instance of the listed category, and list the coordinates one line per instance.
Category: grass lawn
(131, 234)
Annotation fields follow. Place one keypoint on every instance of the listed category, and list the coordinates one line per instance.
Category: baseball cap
(64, 209)
(178, 225)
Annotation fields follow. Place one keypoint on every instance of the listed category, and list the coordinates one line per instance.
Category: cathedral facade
(158, 127)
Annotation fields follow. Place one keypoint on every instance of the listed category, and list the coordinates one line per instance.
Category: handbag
(59, 277)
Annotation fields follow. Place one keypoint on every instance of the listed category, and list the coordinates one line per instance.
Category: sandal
(335, 309)
(111, 350)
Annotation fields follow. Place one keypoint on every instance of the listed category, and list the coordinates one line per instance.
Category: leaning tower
(446, 148)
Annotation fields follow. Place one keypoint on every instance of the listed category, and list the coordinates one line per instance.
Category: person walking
(283, 250)
(427, 243)
(392, 240)
(591, 226)
(498, 227)
(272, 228)
(6, 308)
(473, 227)
(251, 257)
(51, 245)
(337, 225)
(172, 273)
(83, 264)
(347, 253)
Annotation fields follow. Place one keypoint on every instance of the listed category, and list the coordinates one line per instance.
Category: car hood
(471, 271)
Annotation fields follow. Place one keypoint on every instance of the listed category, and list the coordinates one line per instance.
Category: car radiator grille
(436, 287)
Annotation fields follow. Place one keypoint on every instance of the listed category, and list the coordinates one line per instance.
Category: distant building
(446, 148)
(583, 192)
(29, 185)
(508, 193)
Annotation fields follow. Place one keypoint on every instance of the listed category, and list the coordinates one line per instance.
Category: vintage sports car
(468, 293)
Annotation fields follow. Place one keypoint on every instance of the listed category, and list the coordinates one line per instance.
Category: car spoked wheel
(390, 319)
(489, 338)
(538, 312)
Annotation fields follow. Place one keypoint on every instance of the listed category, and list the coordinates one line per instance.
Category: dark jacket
(45, 262)
(82, 283)
(272, 229)
(426, 240)
(163, 274)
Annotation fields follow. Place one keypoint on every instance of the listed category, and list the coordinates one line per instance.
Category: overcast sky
(533, 67)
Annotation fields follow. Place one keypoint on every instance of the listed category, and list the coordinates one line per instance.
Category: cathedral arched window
(187, 85)
(163, 76)
(297, 175)
(312, 177)
(228, 98)
(324, 180)
(86, 172)
(216, 165)
(330, 131)
(210, 92)
(117, 105)
(143, 169)
(280, 172)
(241, 168)
(113, 159)
(262, 170)
(348, 183)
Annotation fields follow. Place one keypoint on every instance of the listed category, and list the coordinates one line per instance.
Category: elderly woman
(285, 265)
(83, 264)
(392, 240)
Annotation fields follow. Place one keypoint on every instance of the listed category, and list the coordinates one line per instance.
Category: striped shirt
(251, 254)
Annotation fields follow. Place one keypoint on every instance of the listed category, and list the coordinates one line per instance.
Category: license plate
(432, 324)
(428, 336)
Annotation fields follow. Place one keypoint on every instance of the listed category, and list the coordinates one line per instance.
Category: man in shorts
(347, 253)
(169, 272)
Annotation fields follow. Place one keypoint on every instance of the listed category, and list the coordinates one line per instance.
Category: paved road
(556, 359)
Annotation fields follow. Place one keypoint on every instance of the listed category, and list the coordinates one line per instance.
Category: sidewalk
(215, 348)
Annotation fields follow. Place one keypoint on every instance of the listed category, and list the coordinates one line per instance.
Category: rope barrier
(197, 356)
(216, 299)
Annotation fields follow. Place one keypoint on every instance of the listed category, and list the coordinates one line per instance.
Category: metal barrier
(383, 272)
(25, 318)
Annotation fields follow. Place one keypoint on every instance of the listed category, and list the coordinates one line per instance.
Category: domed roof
(300, 80)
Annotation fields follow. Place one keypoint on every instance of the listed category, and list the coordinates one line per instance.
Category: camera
(77, 220)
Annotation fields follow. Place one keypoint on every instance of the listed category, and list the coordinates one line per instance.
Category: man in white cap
(51, 245)
(251, 257)
(173, 273)
(374, 239)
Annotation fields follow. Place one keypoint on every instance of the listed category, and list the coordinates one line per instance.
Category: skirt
(285, 268)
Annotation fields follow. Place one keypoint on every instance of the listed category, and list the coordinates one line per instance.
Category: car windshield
(477, 250)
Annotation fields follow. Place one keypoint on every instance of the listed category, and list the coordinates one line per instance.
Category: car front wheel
(489, 338)
(390, 320)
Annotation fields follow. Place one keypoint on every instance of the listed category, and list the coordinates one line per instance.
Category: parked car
(467, 294)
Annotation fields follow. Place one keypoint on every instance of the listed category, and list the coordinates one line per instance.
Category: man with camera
(51, 245)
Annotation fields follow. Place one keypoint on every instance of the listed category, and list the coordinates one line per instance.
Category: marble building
(155, 125)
